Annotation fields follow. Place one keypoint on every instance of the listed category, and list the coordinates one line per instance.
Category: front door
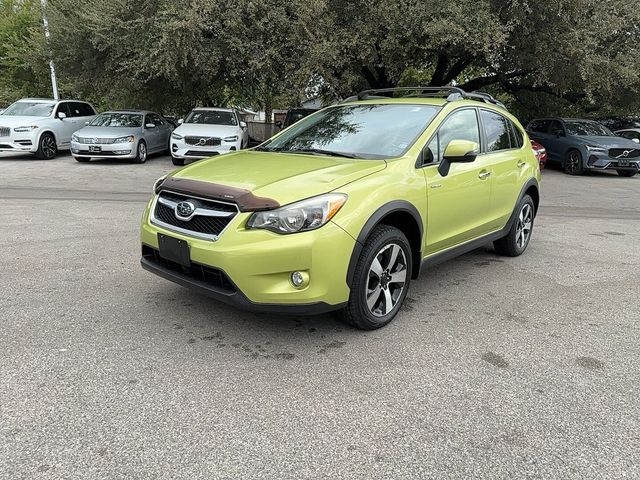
(458, 204)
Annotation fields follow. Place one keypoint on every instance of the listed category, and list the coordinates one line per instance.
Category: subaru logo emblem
(185, 209)
(624, 154)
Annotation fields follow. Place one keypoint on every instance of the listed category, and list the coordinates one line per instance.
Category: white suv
(207, 132)
(42, 126)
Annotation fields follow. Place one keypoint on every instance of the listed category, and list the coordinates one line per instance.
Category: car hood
(108, 132)
(197, 129)
(18, 121)
(282, 177)
(608, 142)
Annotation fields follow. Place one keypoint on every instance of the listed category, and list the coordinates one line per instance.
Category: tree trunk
(268, 112)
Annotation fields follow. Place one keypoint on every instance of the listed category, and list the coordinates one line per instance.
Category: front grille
(631, 153)
(211, 276)
(5, 131)
(95, 141)
(210, 219)
(203, 141)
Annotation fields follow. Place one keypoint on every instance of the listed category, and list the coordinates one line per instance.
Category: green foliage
(567, 57)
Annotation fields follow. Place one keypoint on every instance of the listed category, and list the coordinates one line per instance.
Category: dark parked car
(619, 123)
(579, 145)
(295, 114)
(632, 134)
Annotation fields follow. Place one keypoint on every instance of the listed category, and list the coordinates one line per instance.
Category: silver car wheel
(142, 152)
(524, 225)
(386, 280)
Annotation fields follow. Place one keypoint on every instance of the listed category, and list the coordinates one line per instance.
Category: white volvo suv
(207, 132)
(42, 126)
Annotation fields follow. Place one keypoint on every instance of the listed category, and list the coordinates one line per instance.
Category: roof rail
(450, 93)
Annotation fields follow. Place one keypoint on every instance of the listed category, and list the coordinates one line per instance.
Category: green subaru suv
(343, 209)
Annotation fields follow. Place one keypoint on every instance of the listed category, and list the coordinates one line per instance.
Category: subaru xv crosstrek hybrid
(344, 208)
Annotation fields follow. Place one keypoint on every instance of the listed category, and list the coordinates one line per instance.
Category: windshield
(30, 109)
(361, 131)
(587, 129)
(212, 117)
(131, 120)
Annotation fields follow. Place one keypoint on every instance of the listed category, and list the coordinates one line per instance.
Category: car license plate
(95, 148)
(174, 250)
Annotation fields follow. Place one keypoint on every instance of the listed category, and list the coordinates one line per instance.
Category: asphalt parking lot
(500, 368)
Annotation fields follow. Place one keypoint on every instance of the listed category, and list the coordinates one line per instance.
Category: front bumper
(19, 143)
(179, 149)
(258, 266)
(110, 150)
(597, 161)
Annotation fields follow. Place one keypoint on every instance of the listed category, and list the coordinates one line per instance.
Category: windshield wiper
(319, 151)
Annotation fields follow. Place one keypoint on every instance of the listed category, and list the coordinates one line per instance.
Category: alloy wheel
(142, 152)
(386, 280)
(573, 162)
(524, 225)
(48, 146)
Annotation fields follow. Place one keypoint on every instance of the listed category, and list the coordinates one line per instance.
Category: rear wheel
(627, 173)
(141, 156)
(381, 279)
(517, 240)
(47, 147)
(177, 161)
(573, 163)
(82, 159)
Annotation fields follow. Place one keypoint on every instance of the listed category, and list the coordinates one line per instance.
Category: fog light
(122, 152)
(75, 150)
(174, 147)
(299, 279)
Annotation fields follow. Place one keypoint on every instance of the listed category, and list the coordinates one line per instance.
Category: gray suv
(579, 145)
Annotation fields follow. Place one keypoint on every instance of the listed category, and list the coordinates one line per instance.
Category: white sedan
(207, 132)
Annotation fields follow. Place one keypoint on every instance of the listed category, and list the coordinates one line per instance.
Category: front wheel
(47, 147)
(178, 162)
(141, 155)
(627, 173)
(381, 279)
(517, 240)
(573, 163)
(82, 159)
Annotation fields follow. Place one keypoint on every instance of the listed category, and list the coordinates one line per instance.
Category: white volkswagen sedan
(42, 126)
(207, 132)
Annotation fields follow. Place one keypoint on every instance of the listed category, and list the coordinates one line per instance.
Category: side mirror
(87, 123)
(637, 140)
(149, 125)
(62, 115)
(279, 124)
(243, 124)
(181, 121)
(458, 151)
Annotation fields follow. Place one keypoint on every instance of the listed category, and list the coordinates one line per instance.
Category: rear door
(457, 204)
(504, 149)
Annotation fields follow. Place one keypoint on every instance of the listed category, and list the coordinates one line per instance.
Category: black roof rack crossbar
(451, 94)
(434, 91)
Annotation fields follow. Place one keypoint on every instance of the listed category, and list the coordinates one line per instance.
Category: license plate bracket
(95, 148)
(623, 163)
(174, 250)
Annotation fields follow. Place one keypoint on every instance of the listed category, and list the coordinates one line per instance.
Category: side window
(539, 126)
(74, 109)
(556, 128)
(517, 139)
(64, 108)
(496, 131)
(85, 109)
(157, 120)
(631, 135)
(460, 125)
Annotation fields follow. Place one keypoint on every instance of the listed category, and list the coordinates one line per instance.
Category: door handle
(436, 185)
(521, 164)
(484, 175)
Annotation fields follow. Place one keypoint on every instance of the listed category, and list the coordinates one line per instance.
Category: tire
(389, 248)
(627, 173)
(572, 164)
(517, 240)
(179, 162)
(83, 159)
(141, 152)
(47, 148)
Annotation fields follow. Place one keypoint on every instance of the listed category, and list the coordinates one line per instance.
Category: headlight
(129, 139)
(158, 182)
(74, 138)
(231, 139)
(596, 149)
(300, 216)
(176, 136)
(26, 129)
